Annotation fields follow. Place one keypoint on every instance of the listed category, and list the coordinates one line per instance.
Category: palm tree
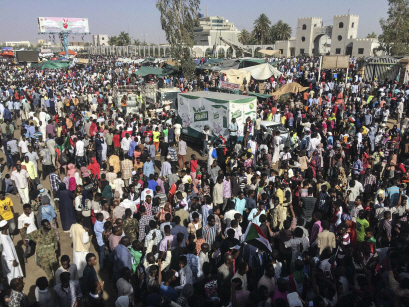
(123, 39)
(244, 37)
(136, 42)
(281, 31)
(261, 27)
(112, 41)
(372, 35)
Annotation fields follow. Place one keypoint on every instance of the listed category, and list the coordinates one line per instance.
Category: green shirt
(108, 138)
(165, 132)
(136, 259)
(360, 229)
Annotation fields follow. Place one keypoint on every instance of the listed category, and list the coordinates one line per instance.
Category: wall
(304, 37)
(340, 36)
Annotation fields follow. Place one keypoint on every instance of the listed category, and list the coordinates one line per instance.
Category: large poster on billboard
(62, 24)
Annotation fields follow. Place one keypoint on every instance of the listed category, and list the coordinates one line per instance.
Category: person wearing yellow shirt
(156, 135)
(7, 211)
(31, 169)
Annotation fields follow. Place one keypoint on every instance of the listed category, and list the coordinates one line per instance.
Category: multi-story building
(100, 40)
(212, 28)
(18, 44)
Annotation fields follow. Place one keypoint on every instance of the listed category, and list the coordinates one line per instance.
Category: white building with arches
(313, 38)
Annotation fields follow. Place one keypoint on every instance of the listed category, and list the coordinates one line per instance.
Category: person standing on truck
(205, 139)
(233, 128)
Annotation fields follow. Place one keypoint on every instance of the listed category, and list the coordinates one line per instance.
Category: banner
(230, 86)
(7, 48)
(61, 24)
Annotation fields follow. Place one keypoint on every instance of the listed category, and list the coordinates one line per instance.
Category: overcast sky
(141, 16)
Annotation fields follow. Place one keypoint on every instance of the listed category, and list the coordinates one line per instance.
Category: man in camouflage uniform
(46, 246)
(130, 225)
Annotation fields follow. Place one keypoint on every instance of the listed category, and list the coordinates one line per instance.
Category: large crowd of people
(317, 217)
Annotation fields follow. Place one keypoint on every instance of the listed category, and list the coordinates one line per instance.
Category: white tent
(263, 71)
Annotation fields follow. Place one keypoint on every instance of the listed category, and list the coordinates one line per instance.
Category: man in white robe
(9, 259)
(81, 244)
(166, 168)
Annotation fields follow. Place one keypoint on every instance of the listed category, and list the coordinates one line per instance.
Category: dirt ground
(30, 269)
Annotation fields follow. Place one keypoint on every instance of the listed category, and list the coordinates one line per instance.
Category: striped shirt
(209, 234)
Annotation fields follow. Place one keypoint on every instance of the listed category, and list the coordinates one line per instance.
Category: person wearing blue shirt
(254, 215)
(393, 193)
(165, 289)
(99, 231)
(121, 257)
(240, 203)
(98, 145)
(148, 167)
(7, 114)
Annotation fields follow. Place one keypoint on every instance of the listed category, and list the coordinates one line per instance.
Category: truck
(132, 105)
(216, 110)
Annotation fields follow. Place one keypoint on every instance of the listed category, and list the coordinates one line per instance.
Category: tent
(70, 52)
(51, 64)
(146, 70)
(263, 71)
(236, 76)
(8, 54)
(292, 87)
(269, 52)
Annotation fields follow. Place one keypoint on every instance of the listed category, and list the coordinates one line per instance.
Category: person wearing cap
(9, 257)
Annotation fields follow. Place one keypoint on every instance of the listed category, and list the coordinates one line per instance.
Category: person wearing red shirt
(117, 142)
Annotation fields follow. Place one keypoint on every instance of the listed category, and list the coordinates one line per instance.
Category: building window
(103, 38)
(360, 50)
(353, 24)
(301, 51)
(341, 25)
(303, 39)
(339, 38)
(281, 51)
(315, 25)
(338, 51)
(304, 27)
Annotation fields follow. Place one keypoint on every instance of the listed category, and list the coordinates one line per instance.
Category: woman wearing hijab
(107, 192)
(67, 209)
(71, 170)
(72, 185)
(94, 167)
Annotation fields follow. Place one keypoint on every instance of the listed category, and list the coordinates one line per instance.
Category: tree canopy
(395, 37)
(123, 39)
(178, 18)
(261, 28)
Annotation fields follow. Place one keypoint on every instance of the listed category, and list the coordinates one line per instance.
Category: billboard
(27, 56)
(7, 48)
(335, 61)
(61, 24)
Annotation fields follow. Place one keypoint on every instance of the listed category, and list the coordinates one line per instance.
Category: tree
(137, 42)
(123, 39)
(244, 37)
(112, 40)
(178, 18)
(262, 27)
(372, 35)
(395, 37)
(280, 31)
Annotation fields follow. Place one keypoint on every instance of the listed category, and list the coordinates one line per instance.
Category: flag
(255, 236)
